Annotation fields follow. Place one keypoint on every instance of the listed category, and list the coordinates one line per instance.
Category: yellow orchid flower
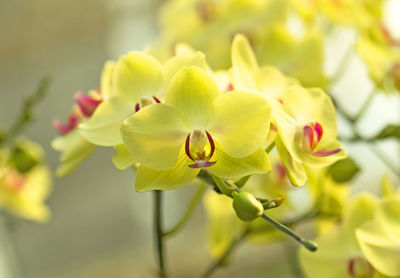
(305, 119)
(25, 181)
(73, 147)
(381, 54)
(361, 14)
(138, 80)
(379, 238)
(339, 253)
(197, 127)
(210, 25)
(280, 48)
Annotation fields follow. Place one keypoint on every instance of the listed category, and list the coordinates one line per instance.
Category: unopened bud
(273, 203)
(246, 206)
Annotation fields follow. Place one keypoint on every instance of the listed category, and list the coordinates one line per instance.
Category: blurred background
(100, 227)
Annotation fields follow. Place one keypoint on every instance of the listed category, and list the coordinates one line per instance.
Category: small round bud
(246, 206)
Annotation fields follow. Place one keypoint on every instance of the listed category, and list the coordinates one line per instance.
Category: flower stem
(159, 233)
(27, 113)
(193, 204)
(367, 102)
(311, 246)
(221, 260)
(227, 188)
(343, 64)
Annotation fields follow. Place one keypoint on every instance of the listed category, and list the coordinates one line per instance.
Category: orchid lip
(201, 161)
(324, 152)
(354, 264)
(202, 164)
(73, 121)
(87, 104)
(312, 135)
(139, 105)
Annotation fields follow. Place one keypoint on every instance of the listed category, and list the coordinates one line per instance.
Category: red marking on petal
(280, 101)
(326, 152)
(156, 99)
(187, 147)
(318, 130)
(137, 107)
(86, 104)
(273, 127)
(281, 171)
(212, 145)
(230, 87)
(73, 121)
(202, 164)
(13, 180)
(350, 267)
(308, 138)
(387, 35)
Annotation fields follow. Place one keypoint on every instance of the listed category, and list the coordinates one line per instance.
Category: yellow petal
(193, 91)
(179, 175)
(228, 167)
(123, 158)
(241, 122)
(103, 127)
(154, 135)
(244, 64)
(137, 74)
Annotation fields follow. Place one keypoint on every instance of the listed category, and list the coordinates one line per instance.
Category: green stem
(159, 232)
(221, 260)
(389, 163)
(311, 246)
(365, 105)
(293, 260)
(193, 204)
(27, 113)
(344, 63)
(227, 188)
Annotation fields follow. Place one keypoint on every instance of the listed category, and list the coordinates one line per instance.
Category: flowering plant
(257, 127)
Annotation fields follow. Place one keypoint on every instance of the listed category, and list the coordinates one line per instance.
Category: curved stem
(193, 204)
(159, 233)
(221, 260)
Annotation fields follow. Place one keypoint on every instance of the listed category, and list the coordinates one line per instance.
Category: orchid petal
(241, 122)
(154, 135)
(193, 91)
(179, 175)
(123, 158)
(244, 64)
(103, 128)
(295, 170)
(228, 167)
(106, 86)
(136, 75)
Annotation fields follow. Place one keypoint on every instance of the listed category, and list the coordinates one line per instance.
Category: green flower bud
(246, 206)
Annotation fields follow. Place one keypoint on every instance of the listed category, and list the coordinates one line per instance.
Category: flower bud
(246, 206)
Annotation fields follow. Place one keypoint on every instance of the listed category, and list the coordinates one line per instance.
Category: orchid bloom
(340, 254)
(361, 14)
(73, 147)
(25, 181)
(197, 127)
(305, 119)
(379, 238)
(381, 54)
(138, 80)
